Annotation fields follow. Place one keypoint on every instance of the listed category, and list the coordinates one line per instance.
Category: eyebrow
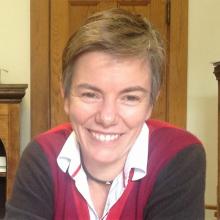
(126, 90)
(134, 89)
(88, 86)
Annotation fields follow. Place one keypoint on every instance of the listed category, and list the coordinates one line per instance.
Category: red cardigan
(142, 199)
(162, 142)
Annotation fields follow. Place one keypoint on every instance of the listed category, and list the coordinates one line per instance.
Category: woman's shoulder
(169, 133)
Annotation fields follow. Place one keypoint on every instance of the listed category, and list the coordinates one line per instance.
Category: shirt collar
(69, 157)
(138, 155)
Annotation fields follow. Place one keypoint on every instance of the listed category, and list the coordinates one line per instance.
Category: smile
(105, 137)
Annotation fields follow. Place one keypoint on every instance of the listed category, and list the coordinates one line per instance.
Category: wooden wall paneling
(138, 8)
(122, 2)
(157, 17)
(58, 37)
(40, 77)
(106, 5)
(133, 2)
(13, 151)
(177, 78)
(83, 2)
(79, 11)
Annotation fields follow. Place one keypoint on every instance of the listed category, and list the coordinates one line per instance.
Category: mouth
(105, 137)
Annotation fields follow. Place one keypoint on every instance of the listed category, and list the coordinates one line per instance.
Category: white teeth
(108, 137)
(104, 137)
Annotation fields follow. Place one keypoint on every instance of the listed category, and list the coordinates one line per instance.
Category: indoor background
(203, 50)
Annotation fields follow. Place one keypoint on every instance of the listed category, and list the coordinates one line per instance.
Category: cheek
(79, 113)
(135, 117)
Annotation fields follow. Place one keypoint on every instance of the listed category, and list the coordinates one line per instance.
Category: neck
(102, 173)
(97, 180)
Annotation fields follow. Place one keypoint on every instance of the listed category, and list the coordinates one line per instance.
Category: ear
(158, 94)
(65, 100)
(66, 105)
(150, 108)
(61, 90)
(149, 112)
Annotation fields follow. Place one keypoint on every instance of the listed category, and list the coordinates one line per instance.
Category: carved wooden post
(217, 74)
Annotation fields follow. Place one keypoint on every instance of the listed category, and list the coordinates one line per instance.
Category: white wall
(15, 53)
(204, 48)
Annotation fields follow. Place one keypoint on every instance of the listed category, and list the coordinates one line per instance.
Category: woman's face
(108, 104)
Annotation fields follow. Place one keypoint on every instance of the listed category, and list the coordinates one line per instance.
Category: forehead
(104, 69)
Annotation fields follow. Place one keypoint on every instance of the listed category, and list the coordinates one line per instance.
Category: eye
(131, 99)
(90, 97)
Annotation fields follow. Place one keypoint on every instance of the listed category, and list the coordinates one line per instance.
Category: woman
(111, 161)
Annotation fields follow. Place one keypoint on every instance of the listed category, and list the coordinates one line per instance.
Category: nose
(107, 114)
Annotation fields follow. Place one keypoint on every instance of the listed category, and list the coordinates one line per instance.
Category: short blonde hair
(120, 33)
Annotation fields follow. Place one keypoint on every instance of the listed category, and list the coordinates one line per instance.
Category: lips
(105, 137)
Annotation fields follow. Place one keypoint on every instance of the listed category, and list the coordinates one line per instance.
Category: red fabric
(116, 211)
(80, 205)
(165, 141)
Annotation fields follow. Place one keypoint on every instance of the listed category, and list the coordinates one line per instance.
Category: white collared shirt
(69, 160)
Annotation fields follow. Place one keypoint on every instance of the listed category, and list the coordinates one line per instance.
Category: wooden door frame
(40, 64)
